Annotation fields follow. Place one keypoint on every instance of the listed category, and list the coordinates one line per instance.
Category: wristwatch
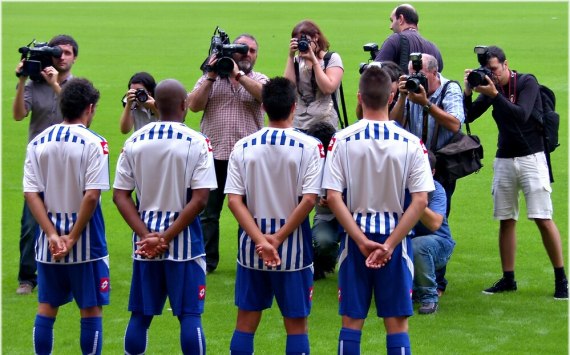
(427, 106)
(239, 75)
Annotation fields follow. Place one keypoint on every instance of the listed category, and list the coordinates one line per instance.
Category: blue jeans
(431, 253)
(28, 231)
(326, 240)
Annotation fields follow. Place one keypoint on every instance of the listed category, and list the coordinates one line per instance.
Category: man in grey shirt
(41, 97)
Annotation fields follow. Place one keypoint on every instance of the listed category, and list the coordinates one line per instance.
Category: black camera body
(141, 95)
(303, 44)
(223, 49)
(373, 49)
(478, 76)
(414, 80)
(37, 58)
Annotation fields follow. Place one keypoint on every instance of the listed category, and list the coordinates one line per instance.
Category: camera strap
(512, 84)
(440, 105)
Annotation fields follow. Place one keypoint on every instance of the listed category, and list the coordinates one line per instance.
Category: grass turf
(170, 40)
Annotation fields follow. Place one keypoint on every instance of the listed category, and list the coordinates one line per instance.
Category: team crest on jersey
(201, 292)
(104, 284)
(322, 150)
(423, 147)
(209, 145)
(331, 144)
(105, 147)
(311, 293)
(339, 295)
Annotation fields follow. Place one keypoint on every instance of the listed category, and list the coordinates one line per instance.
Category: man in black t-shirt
(520, 164)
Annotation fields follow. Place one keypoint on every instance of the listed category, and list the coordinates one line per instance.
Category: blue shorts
(391, 284)
(184, 282)
(293, 290)
(87, 282)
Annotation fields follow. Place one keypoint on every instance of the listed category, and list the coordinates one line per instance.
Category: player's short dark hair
(75, 96)
(496, 52)
(145, 79)
(323, 131)
(278, 96)
(65, 39)
(410, 14)
(432, 159)
(375, 87)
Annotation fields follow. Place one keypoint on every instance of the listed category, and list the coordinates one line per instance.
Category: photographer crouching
(229, 93)
(520, 162)
(48, 66)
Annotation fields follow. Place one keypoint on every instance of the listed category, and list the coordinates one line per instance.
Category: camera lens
(225, 66)
(413, 85)
(476, 78)
(141, 95)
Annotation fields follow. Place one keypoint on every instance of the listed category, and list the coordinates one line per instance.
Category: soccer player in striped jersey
(274, 177)
(67, 167)
(369, 167)
(171, 168)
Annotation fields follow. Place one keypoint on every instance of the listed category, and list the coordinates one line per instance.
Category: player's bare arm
(295, 219)
(56, 246)
(344, 217)
(126, 206)
(245, 219)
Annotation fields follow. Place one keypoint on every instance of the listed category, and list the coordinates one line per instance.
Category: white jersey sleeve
(234, 182)
(97, 172)
(419, 173)
(334, 174)
(31, 181)
(124, 177)
(314, 174)
(204, 175)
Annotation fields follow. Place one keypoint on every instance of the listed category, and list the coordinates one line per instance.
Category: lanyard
(512, 83)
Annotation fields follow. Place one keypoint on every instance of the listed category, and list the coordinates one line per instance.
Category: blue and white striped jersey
(373, 163)
(273, 168)
(62, 163)
(164, 162)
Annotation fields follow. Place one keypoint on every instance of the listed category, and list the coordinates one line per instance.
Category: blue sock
(242, 343)
(192, 338)
(43, 335)
(136, 335)
(349, 342)
(398, 344)
(91, 338)
(297, 344)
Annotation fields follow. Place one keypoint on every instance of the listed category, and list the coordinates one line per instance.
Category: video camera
(414, 80)
(477, 76)
(37, 58)
(373, 49)
(223, 49)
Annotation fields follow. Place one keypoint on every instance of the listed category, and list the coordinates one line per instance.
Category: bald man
(172, 168)
(406, 39)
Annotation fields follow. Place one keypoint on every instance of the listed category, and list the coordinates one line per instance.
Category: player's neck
(375, 115)
(280, 124)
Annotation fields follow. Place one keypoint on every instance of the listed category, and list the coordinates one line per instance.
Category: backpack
(326, 60)
(548, 120)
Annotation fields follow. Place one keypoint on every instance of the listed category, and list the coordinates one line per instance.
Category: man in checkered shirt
(232, 110)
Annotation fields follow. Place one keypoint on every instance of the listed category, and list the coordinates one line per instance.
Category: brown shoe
(440, 292)
(24, 289)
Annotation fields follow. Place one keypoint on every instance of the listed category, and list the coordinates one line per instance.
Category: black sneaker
(561, 290)
(501, 286)
(428, 308)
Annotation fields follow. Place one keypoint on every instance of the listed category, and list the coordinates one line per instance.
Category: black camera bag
(461, 156)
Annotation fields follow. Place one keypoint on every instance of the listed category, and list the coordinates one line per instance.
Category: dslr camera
(303, 44)
(37, 58)
(414, 80)
(373, 49)
(477, 76)
(141, 95)
(223, 49)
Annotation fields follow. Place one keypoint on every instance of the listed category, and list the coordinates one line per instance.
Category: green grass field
(170, 40)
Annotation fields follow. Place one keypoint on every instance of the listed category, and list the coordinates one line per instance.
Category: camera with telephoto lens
(303, 44)
(223, 49)
(478, 76)
(141, 95)
(414, 80)
(37, 58)
(373, 49)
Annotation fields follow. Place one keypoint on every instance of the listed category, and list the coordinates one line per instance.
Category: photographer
(232, 110)
(139, 103)
(520, 164)
(404, 21)
(42, 99)
(315, 82)
(412, 107)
